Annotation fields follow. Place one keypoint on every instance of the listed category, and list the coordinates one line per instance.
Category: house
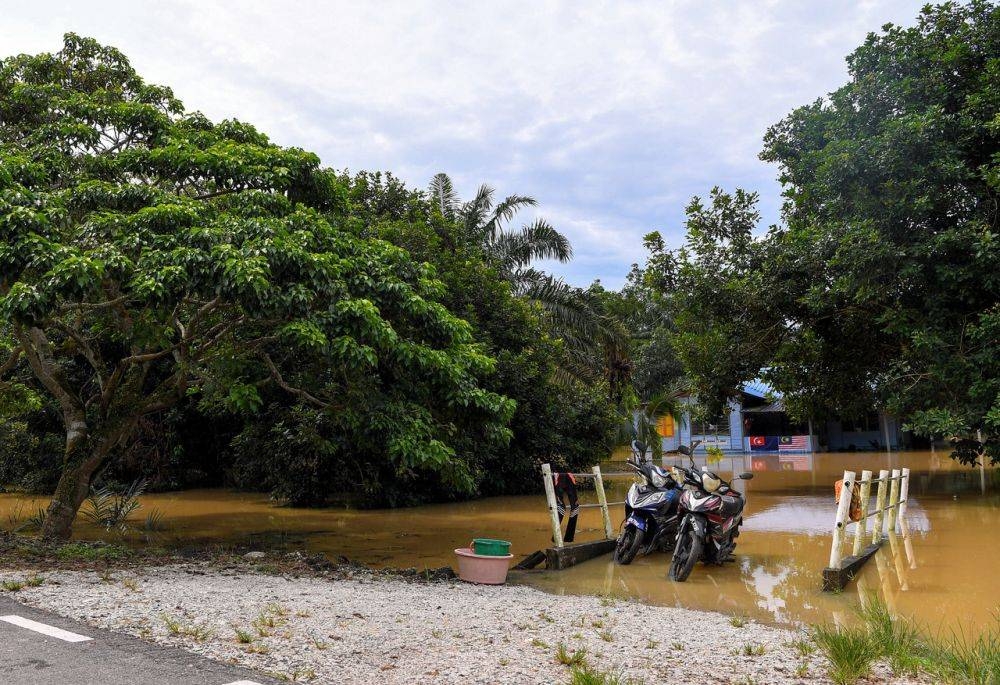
(757, 421)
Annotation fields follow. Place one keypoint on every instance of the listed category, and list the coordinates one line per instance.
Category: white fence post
(894, 501)
(550, 497)
(862, 532)
(603, 501)
(843, 507)
(904, 493)
(879, 524)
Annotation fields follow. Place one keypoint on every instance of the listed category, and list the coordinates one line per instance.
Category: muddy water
(941, 571)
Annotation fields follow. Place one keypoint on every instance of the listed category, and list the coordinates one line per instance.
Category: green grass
(850, 652)
(737, 621)
(34, 581)
(244, 637)
(12, 585)
(752, 649)
(576, 658)
(879, 636)
(961, 659)
(586, 675)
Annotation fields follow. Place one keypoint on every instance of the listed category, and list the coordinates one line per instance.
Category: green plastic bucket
(491, 548)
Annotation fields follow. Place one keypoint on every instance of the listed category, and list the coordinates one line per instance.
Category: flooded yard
(940, 572)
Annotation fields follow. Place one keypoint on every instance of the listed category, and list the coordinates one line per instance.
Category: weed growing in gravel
(802, 670)
(652, 644)
(752, 649)
(564, 657)
(803, 647)
(437, 633)
(302, 614)
(196, 631)
(132, 584)
(539, 643)
(303, 675)
(545, 617)
(597, 624)
(605, 635)
(677, 646)
(257, 648)
(106, 576)
(34, 581)
(737, 621)
(585, 675)
(244, 637)
(850, 652)
(12, 585)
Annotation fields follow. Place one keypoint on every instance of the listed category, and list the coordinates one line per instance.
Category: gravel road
(387, 630)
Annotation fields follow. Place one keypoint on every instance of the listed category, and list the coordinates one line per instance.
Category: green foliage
(880, 288)
(109, 509)
(149, 255)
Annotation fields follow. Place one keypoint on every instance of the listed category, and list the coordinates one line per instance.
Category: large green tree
(150, 255)
(880, 288)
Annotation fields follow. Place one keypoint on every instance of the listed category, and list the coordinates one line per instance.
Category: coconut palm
(596, 344)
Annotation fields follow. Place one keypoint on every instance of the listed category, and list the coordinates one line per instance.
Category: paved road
(61, 655)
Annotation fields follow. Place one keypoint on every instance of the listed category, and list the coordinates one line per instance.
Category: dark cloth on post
(565, 487)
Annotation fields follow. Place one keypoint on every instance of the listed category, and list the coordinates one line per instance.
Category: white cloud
(611, 114)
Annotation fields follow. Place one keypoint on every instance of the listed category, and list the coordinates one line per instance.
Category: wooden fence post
(603, 501)
(894, 500)
(550, 497)
(879, 523)
(843, 507)
(862, 531)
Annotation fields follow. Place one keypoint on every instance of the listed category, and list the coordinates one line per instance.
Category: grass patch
(752, 649)
(576, 658)
(34, 581)
(586, 675)
(196, 631)
(12, 585)
(539, 643)
(244, 637)
(879, 636)
(737, 621)
(850, 652)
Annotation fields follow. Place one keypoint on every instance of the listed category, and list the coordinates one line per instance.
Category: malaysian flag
(798, 443)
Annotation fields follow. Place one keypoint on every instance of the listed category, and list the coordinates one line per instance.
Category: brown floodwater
(940, 570)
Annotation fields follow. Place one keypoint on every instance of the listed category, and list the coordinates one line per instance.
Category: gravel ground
(376, 629)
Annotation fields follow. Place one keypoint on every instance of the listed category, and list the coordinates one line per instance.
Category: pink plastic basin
(478, 568)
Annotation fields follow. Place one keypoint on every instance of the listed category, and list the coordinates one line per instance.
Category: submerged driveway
(41, 648)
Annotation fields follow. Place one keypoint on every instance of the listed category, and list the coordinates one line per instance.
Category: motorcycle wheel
(686, 555)
(628, 545)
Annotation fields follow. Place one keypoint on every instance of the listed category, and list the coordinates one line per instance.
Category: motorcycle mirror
(683, 449)
(746, 476)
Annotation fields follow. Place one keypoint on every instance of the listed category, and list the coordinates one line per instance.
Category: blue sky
(611, 114)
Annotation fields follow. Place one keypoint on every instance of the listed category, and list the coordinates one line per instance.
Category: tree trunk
(83, 459)
(72, 490)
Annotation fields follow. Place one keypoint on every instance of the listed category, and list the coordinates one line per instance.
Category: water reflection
(938, 567)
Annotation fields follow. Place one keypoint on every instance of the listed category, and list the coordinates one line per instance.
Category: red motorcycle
(711, 512)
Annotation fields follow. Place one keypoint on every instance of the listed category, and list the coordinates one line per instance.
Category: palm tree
(484, 224)
(596, 344)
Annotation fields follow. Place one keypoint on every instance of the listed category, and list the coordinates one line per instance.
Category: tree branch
(298, 392)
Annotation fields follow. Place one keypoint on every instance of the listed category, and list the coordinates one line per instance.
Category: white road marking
(44, 629)
(244, 682)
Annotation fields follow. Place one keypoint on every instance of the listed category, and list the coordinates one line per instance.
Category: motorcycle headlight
(710, 482)
(658, 480)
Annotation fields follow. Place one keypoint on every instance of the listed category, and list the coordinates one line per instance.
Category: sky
(612, 115)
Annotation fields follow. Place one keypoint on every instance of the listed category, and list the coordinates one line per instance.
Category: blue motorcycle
(651, 515)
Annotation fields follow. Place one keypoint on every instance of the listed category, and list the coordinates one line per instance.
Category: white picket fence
(895, 485)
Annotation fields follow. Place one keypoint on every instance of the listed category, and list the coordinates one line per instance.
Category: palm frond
(537, 240)
(473, 213)
(443, 194)
(506, 210)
